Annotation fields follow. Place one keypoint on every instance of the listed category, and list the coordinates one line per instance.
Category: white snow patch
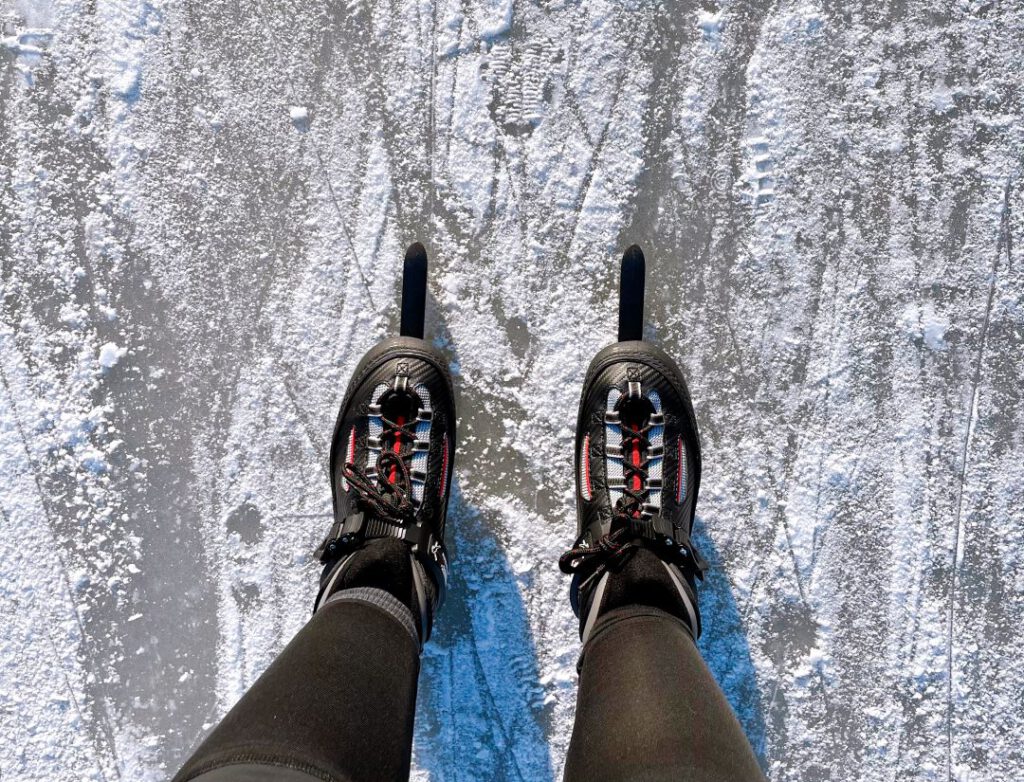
(35, 13)
(711, 24)
(923, 322)
(110, 354)
(942, 96)
(501, 26)
(299, 116)
(126, 81)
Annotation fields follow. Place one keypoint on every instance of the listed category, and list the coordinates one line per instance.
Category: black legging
(338, 705)
(649, 709)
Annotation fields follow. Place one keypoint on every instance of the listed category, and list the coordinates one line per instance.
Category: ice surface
(829, 199)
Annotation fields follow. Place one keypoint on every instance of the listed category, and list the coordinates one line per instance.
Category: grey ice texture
(203, 208)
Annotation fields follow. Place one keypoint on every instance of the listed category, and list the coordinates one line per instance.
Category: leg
(358, 655)
(649, 709)
(338, 704)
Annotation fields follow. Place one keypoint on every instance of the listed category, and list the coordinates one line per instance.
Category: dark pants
(338, 705)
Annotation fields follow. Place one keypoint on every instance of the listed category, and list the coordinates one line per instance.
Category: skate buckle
(342, 535)
(658, 529)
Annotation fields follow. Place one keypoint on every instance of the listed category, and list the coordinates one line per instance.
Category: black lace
(606, 548)
(631, 504)
(386, 500)
(628, 507)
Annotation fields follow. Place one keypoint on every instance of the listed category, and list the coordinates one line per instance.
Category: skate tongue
(398, 409)
(396, 449)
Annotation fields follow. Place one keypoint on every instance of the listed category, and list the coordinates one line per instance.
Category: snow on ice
(830, 201)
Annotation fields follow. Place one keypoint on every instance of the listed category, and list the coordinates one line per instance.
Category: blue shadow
(725, 647)
(480, 714)
(480, 710)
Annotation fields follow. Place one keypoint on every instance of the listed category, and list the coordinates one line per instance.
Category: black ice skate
(637, 474)
(391, 464)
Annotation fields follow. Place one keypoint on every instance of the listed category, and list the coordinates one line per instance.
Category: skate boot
(391, 465)
(637, 474)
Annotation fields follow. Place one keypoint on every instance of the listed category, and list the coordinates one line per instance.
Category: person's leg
(648, 708)
(336, 705)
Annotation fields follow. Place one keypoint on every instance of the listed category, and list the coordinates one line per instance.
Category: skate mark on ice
(432, 116)
(1004, 244)
(344, 224)
(664, 57)
(100, 711)
(307, 427)
(85, 721)
(292, 96)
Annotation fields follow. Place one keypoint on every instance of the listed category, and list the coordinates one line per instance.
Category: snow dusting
(829, 197)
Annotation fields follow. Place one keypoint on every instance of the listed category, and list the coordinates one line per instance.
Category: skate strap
(357, 527)
(657, 533)
(349, 533)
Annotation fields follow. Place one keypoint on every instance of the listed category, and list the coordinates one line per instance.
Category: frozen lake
(203, 208)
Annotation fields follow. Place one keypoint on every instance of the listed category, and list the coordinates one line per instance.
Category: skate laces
(389, 497)
(630, 507)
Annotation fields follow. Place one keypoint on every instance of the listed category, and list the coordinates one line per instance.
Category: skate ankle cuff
(350, 533)
(386, 565)
(381, 599)
(640, 576)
